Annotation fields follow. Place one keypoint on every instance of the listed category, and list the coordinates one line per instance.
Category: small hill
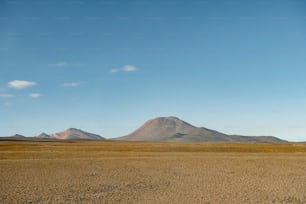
(43, 135)
(73, 133)
(173, 129)
(18, 136)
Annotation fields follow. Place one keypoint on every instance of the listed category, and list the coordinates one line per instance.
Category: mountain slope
(172, 129)
(73, 133)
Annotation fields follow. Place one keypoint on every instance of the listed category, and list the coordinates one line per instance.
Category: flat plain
(139, 172)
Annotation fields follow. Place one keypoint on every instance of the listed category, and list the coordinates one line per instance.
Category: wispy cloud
(114, 70)
(129, 68)
(35, 95)
(71, 84)
(61, 64)
(64, 64)
(20, 84)
(6, 95)
(125, 68)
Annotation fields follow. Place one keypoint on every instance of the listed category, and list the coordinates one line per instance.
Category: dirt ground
(118, 172)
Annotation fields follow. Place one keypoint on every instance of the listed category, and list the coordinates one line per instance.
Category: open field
(125, 172)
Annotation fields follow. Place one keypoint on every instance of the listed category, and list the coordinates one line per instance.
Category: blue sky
(106, 67)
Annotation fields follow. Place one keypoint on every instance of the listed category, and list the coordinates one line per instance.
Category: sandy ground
(54, 175)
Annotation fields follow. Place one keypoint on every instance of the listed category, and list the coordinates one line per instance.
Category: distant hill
(172, 129)
(72, 133)
(69, 134)
(43, 135)
(18, 136)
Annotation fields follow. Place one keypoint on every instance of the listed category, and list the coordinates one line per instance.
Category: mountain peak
(167, 118)
(163, 121)
(173, 118)
(73, 129)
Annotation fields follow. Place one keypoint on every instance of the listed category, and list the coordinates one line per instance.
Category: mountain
(43, 135)
(15, 137)
(73, 133)
(172, 129)
(18, 136)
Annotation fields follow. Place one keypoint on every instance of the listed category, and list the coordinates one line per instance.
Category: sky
(106, 67)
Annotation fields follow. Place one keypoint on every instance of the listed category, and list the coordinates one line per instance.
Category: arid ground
(125, 172)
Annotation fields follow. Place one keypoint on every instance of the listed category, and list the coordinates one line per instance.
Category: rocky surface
(87, 173)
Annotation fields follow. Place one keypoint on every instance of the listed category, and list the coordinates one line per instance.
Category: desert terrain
(139, 172)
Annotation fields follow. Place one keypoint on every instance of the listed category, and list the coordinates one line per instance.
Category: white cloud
(61, 64)
(6, 95)
(129, 68)
(125, 68)
(35, 95)
(71, 84)
(20, 84)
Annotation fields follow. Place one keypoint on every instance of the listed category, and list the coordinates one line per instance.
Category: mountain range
(161, 129)
(72, 133)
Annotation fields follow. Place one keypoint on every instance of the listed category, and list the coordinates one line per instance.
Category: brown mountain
(172, 129)
(72, 133)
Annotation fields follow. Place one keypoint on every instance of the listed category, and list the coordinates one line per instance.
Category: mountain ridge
(173, 129)
(160, 129)
(72, 133)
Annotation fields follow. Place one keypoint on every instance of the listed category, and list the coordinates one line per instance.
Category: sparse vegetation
(139, 172)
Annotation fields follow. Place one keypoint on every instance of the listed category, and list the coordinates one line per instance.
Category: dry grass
(124, 172)
(23, 149)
